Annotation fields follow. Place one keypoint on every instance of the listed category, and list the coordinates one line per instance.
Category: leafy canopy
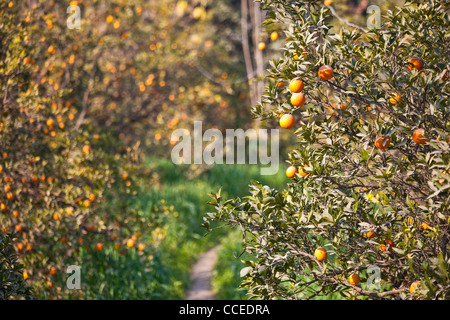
(397, 191)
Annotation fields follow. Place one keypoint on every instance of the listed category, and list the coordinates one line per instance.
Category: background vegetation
(86, 117)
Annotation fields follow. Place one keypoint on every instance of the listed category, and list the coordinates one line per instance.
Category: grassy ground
(226, 278)
(175, 196)
(189, 197)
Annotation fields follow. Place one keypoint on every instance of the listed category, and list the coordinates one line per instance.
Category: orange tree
(367, 212)
(68, 179)
(54, 174)
(12, 279)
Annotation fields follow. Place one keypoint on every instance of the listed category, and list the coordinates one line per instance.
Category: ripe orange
(50, 122)
(414, 286)
(130, 243)
(382, 142)
(354, 279)
(287, 121)
(441, 180)
(20, 246)
(415, 63)
(25, 275)
(53, 271)
(280, 84)
(369, 235)
(16, 214)
(109, 19)
(291, 171)
(261, 46)
(125, 176)
(141, 247)
(321, 254)
(298, 99)
(396, 99)
(390, 244)
(326, 72)
(383, 247)
(87, 203)
(99, 246)
(274, 36)
(301, 172)
(86, 149)
(328, 2)
(419, 136)
(296, 85)
(92, 197)
(425, 226)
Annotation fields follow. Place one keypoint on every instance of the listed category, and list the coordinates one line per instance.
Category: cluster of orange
(287, 121)
(273, 36)
(419, 135)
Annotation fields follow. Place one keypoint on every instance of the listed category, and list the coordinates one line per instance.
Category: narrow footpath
(201, 274)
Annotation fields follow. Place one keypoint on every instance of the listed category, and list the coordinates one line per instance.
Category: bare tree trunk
(257, 23)
(253, 56)
(246, 48)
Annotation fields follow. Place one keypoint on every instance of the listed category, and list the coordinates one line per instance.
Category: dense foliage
(12, 282)
(368, 204)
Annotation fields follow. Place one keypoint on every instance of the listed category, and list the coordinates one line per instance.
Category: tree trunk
(246, 48)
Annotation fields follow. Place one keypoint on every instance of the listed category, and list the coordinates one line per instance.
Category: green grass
(226, 279)
(164, 273)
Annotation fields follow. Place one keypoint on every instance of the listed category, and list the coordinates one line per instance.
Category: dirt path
(201, 274)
